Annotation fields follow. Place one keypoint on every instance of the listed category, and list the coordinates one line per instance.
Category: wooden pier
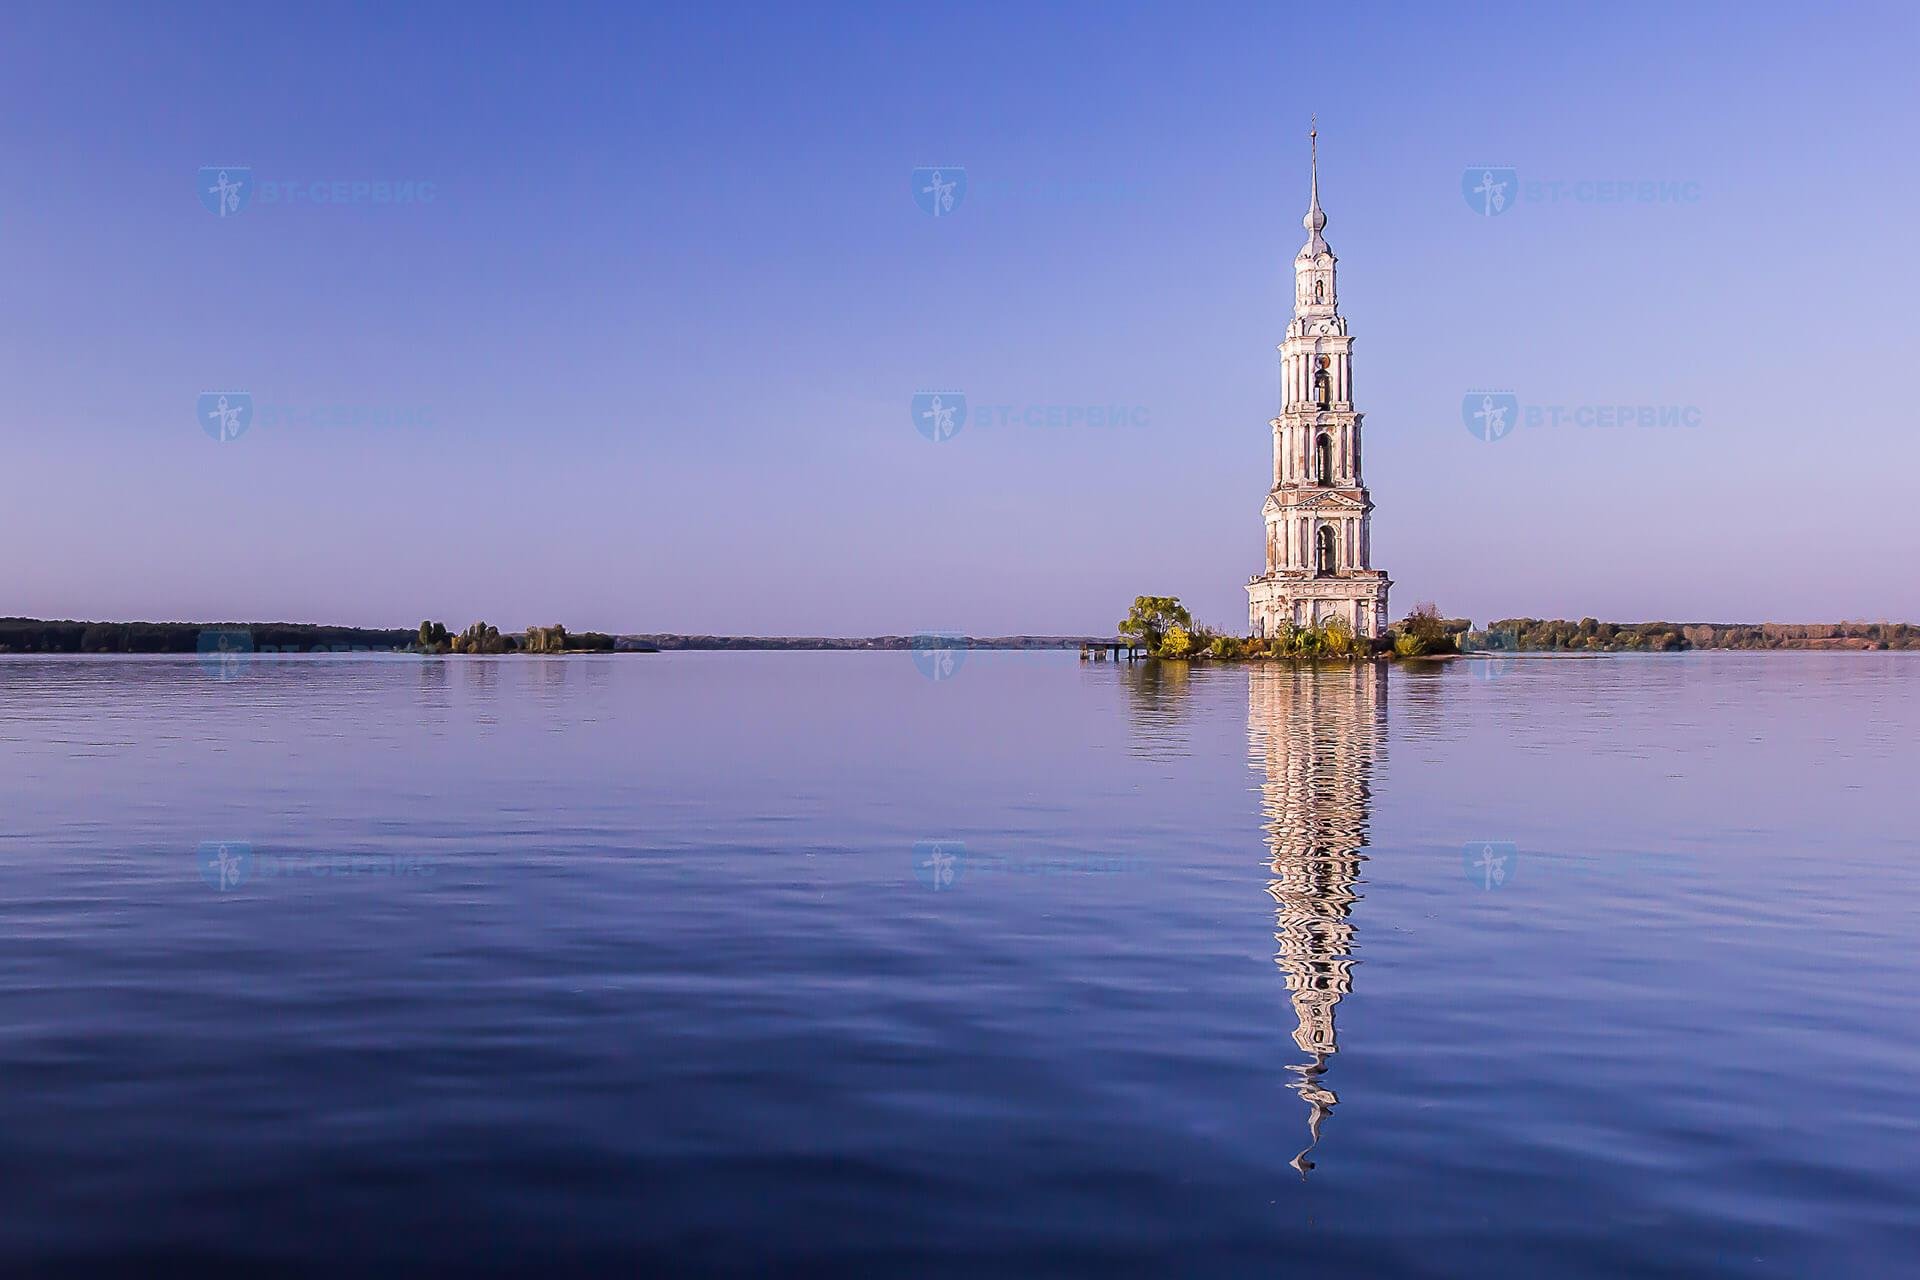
(1099, 650)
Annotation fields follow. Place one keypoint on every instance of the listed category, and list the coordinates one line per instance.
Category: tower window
(1323, 459)
(1319, 290)
(1324, 550)
(1322, 384)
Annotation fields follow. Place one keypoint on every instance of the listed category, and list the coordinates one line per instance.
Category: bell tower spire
(1313, 268)
(1316, 219)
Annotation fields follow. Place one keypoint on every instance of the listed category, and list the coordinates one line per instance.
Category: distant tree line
(1534, 634)
(32, 635)
(665, 641)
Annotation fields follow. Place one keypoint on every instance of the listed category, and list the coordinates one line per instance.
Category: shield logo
(225, 864)
(939, 654)
(225, 415)
(938, 863)
(225, 651)
(939, 415)
(939, 189)
(1489, 190)
(1490, 863)
(226, 188)
(1490, 415)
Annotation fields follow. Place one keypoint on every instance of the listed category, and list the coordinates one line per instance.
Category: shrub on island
(481, 638)
(1424, 634)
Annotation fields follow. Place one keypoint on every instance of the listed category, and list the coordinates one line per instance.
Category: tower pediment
(1315, 500)
(1319, 500)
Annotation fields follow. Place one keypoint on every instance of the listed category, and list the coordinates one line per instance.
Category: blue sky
(645, 360)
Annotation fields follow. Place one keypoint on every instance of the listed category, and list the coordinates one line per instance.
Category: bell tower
(1318, 514)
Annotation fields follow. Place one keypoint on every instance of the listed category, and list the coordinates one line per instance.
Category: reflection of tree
(1422, 693)
(1314, 733)
(1157, 695)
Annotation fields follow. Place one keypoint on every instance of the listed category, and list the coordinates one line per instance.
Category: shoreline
(1585, 638)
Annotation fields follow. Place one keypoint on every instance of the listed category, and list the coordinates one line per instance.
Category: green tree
(553, 639)
(480, 638)
(1152, 618)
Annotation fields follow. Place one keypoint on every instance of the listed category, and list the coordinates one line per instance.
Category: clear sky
(646, 359)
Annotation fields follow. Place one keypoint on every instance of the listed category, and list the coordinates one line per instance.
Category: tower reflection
(1314, 733)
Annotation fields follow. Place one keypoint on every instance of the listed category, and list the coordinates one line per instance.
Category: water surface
(722, 961)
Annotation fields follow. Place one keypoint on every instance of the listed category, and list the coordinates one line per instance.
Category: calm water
(1560, 967)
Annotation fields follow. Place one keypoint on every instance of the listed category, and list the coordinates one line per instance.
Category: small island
(485, 638)
(1164, 628)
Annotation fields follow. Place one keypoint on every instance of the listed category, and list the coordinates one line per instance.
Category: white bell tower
(1319, 562)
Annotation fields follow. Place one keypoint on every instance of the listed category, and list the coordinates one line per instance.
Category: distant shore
(35, 635)
(665, 641)
(1519, 635)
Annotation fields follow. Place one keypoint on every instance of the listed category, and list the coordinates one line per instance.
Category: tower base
(1357, 597)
